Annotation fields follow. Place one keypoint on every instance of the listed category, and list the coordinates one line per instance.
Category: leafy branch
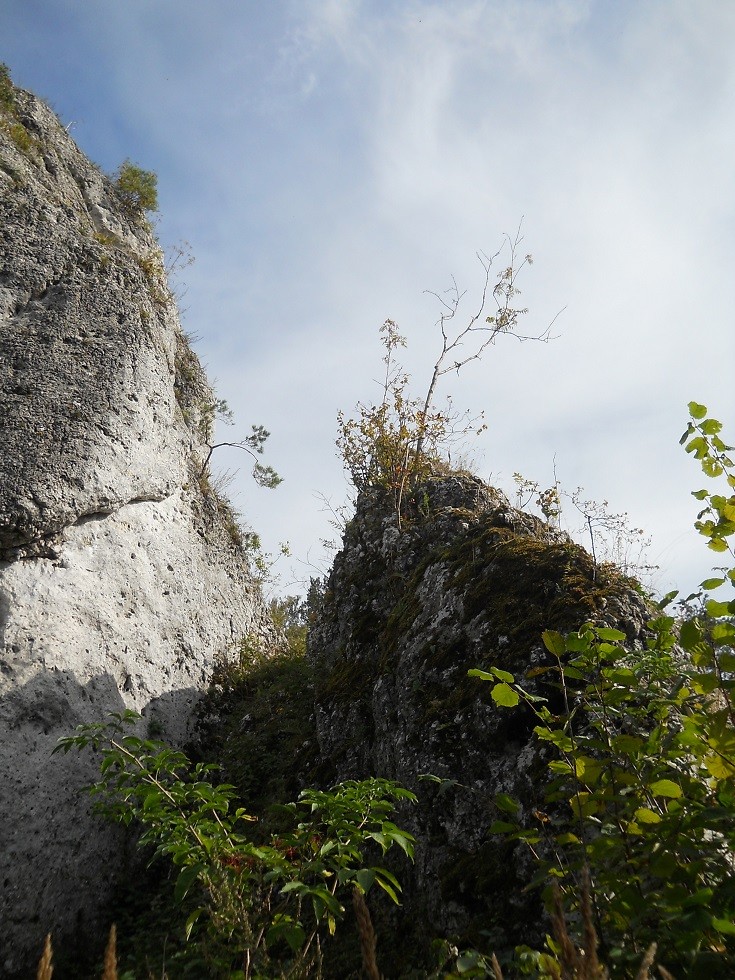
(265, 905)
(642, 777)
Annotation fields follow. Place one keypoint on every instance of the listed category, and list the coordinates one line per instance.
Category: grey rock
(465, 581)
(121, 578)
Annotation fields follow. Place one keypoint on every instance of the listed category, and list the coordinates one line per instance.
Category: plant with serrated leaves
(642, 742)
(266, 906)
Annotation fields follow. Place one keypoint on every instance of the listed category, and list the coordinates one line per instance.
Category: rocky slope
(467, 581)
(121, 575)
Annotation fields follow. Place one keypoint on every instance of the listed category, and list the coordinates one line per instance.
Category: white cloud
(331, 159)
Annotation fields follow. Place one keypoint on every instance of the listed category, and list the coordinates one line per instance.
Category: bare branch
(503, 321)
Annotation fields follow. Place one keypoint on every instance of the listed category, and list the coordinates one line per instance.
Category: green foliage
(642, 765)
(263, 728)
(136, 188)
(379, 446)
(254, 444)
(13, 123)
(261, 907)
(21, 137)
(7, 95)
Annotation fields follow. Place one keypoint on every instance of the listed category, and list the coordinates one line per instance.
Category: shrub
(137, 188)
(265, 905)
(642, 790)
(397, 443)
(7, 97)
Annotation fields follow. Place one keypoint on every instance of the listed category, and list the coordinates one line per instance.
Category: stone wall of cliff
(121, 577)
(465, 581)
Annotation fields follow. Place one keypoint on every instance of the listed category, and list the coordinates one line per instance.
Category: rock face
(466, 581)
(121, 575)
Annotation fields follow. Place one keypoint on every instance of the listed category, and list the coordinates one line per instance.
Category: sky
(335, 162)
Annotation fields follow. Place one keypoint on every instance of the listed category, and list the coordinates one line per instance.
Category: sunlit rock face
(464, 581)
(121, 577)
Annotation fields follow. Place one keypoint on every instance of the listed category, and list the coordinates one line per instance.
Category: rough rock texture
(467, 581)
(121, 577)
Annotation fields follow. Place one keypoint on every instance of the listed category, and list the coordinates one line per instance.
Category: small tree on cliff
(401, 440)
(137, 188)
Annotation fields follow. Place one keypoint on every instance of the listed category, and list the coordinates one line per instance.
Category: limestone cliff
(121, 576)
(467, 581)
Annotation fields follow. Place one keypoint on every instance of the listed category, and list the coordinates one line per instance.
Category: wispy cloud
(331, 159)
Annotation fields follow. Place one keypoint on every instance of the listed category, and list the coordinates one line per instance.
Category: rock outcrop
(466, 581)
(121, 575)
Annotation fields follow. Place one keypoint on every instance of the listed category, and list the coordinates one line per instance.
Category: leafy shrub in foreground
(266, 907)
(642, 794)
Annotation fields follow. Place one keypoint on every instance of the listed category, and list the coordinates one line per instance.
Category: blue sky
(330, 160)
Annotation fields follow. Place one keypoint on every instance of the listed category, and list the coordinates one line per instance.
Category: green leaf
(287, 928)
(388, 889)
(567, 838)
(667, 788)
(191, 921)
(501, 827)
(719, 767)
(506, 803)
(690, 634)
(698, 446)
(504, 696)
(483, 675)
(365, 878)
(646, 816)
(588, 770)
(696, 410)
(717, 544)
(186, 879)
(614, 636)
(712, 583)
(724, 926)
(502, 675)
(554, 642)
(716, 608)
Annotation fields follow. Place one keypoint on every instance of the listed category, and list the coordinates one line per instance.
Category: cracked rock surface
(121, 581)
(466, 581)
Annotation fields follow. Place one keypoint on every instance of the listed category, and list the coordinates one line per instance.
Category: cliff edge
(463, 581)
(121, 575)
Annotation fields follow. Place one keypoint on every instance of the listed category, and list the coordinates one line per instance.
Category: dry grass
(109, 972)
(368, 939)
(582, 963)
(45, 967)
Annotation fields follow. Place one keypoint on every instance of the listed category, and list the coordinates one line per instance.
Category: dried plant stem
(592, 964)
(110, 966)
(497, 972)
(45, 968)
(577, 964)
(368, 939)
